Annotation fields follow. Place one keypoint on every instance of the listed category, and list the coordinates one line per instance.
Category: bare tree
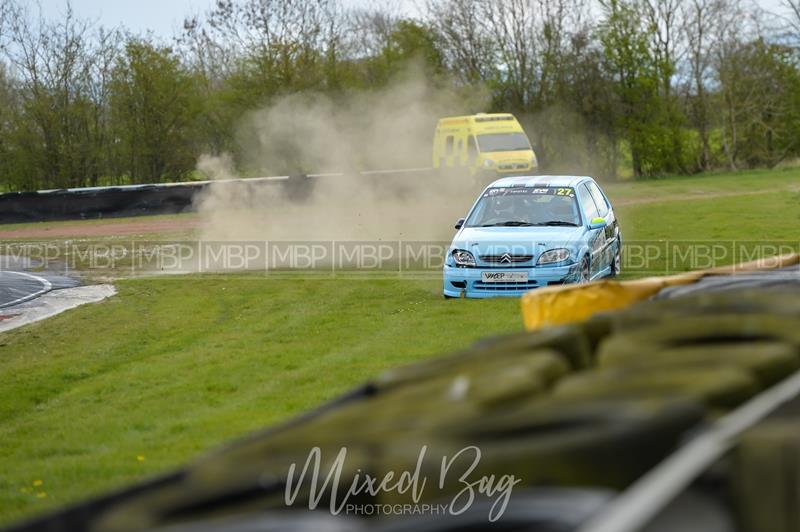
(255, 49)
(273, 32)
(4, 7)
(55, 63)
(700, 19)
(9, 11)
(467, 43)
(533, 40)
(665, 24)
(560, 19)
(7, 111)
(730, 33)
(794, 15)
(664, 21)
(513, 23)
(371, 29)
(104, 53)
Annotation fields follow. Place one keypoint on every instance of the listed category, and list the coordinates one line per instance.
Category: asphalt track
(18, 284)
(19, 287)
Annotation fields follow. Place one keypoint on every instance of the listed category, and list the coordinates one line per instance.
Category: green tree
(53, 138)
(468, 50)
(153, 105)
(761, 84)
(635, 74)
(411, 41)
(7, 112)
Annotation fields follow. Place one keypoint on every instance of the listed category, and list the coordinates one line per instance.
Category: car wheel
(616, 266)
(585, 276)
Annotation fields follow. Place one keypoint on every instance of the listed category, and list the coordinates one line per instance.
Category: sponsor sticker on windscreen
(529, 191)
(504, 277)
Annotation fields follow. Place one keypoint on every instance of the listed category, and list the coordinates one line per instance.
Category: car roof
(540, 181)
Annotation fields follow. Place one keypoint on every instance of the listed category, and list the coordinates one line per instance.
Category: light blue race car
(528, 232)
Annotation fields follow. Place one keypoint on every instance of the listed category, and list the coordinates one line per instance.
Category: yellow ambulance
(483, 143)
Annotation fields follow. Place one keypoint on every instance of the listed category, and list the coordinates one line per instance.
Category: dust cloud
(567, 145)
(357, 131)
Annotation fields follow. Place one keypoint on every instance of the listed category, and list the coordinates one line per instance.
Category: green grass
(696, 186)
(764, 217)
(170, 367)
(715, 220)
(735, 230)
(173, 366)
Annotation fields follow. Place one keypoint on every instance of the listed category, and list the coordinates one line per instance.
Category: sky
(165, 17)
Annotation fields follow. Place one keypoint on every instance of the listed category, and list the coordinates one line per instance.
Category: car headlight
(488, 163)
(553, 255)
(463, 258)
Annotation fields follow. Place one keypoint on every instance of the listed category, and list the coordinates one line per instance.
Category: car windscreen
(525, 206)
(503, 142)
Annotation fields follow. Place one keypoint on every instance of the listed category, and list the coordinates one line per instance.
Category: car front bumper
(467, 282)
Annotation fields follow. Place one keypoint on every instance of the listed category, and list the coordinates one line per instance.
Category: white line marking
(234, 179)
(46, 287)
(328, 174)
(398, 171)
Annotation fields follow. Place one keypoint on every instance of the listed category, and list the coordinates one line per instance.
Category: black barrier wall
(140, 200)
(96, 203)
(135, 200)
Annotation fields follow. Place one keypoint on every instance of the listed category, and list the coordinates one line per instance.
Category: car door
(606, 212)
(596, 237)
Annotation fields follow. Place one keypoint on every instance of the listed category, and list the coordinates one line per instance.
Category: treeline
(647, 87)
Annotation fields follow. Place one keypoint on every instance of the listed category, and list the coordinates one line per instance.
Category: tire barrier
(597, 403)
(559, 305)
(777, 279)
(766, 361)
(543, 510)
(569, 344)
(703, 330)
(767, 475)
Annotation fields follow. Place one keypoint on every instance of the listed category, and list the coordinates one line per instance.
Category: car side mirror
(597, 223)
(459, 223)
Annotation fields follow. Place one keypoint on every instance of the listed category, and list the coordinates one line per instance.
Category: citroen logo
(505, 257)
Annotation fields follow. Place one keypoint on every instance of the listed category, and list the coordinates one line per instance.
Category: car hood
(516, 240)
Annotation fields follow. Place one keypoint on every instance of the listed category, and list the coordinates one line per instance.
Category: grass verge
(109, 393)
